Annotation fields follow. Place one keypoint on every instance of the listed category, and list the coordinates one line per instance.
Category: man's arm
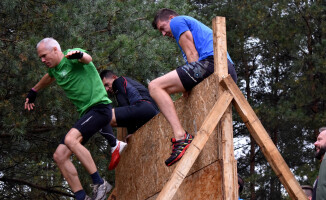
(45, 81)
(186, 41)
(81, 56)
(120, 91)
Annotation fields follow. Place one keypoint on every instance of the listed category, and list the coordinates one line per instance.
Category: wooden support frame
(262, 138)
(222, 111)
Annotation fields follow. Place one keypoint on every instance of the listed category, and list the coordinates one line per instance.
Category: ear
(114, 77)
(171, 17)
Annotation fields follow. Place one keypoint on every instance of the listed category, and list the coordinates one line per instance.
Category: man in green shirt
(75, 73)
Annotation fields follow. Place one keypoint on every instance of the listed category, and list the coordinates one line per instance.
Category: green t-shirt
(81, 83)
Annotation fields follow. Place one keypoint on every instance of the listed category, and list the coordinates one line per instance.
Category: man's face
(164, 27)
(48, 56)
(320, 145)
(107, 82)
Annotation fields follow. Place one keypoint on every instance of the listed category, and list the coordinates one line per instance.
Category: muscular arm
(187, 44)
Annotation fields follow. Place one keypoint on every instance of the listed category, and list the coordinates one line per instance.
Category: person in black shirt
(135, 105)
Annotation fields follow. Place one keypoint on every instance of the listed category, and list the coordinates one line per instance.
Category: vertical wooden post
(225, 128)
(122, 133)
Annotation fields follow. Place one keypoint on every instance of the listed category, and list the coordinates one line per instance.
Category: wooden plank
(195, 147)
(141, 172)
(122, 133)
(264, 141)
(203, 184)
(219, 41)
(225, 128)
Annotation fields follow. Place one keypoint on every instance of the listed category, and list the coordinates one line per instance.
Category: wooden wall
(142, 173)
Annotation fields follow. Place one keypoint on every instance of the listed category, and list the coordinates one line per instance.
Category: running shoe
(100, 190)
(179, 147)
(115, 154)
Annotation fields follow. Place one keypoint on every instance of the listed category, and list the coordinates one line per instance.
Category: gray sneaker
(100, 191)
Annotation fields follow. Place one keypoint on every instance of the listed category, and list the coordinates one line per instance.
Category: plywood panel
(141, 172)
(207, 183)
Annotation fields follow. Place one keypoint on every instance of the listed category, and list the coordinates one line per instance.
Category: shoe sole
(179, 156)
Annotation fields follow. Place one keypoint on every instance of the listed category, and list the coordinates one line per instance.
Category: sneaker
(100, 191)
(179, 147)
(116, 151)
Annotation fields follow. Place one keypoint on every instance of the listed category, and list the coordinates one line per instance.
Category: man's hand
(74, 55)
(31, 96)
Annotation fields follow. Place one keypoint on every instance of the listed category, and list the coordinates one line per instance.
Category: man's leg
(160, 90)
(73, 141)
(113, 122)
(62, 157)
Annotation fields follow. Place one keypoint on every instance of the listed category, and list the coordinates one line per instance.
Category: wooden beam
(188, 159)
(265, 143)
(220, 52)
(225, 127)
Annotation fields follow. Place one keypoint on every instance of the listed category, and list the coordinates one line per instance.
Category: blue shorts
(193, 73)
(96, 118)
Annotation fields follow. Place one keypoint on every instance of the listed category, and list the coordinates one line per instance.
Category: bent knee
(153, 86)
(58, 157)
(70, 141)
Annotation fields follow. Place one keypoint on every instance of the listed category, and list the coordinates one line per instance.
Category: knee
(153, 86)
(70, 141)
(58, 157)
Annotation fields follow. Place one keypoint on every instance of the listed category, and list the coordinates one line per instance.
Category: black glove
(31, 96)
(77, 55)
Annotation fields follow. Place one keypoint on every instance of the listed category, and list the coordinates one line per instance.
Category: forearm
(45, 81)
(86, 58)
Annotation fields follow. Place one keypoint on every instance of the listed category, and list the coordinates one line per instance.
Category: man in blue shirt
(195, 41)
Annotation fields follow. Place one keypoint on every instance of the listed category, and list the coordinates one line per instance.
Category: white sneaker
(115, 154)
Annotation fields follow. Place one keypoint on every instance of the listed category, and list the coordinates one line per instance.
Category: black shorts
(193, 73)
(95, 118)
(134, 116)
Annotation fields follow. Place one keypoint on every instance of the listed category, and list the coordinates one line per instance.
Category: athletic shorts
(193, 73)
(96, 117)
(136, 115)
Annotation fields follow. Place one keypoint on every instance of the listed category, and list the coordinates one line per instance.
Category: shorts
(95, 118)
(193, 73)
(136, 115)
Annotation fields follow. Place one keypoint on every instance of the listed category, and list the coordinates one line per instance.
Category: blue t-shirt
(203, 35)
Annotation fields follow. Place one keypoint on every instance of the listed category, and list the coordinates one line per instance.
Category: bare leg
(72, 140)
(160, 90)
(62, 157)
(113, 122)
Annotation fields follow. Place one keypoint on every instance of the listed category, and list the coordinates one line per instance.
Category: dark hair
(241, 183)
(107, 74)
(163, 15)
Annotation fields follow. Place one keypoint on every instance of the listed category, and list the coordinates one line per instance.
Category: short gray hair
(49, 43)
